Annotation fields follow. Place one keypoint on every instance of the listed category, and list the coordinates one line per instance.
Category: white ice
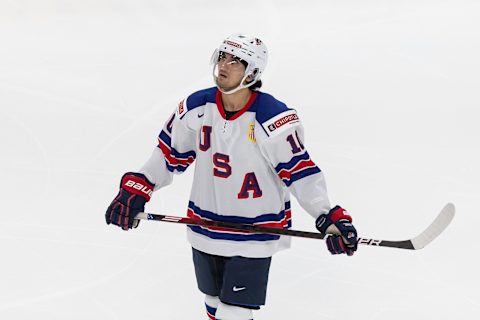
(389, 96)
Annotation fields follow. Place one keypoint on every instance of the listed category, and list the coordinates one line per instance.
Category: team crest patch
(251, 133)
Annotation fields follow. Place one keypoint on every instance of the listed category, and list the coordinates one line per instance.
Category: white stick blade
(438, 225)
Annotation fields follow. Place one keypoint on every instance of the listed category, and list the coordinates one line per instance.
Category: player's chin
(225, 87)
(228, 85)
(223, 81)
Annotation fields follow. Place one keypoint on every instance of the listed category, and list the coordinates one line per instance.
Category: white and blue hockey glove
(135, 191)
(342, 234)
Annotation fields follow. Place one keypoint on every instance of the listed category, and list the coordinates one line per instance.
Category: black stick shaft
(420, 241)
(407, 244)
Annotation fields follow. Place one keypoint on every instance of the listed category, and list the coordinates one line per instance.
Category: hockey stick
(434, 229)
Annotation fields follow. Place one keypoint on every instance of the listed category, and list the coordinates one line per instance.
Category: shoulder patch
(195, 100)
(281, 122)
(181, 110)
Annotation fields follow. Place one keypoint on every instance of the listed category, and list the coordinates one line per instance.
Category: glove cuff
(335, 214)
(323, 222)
(338, 213)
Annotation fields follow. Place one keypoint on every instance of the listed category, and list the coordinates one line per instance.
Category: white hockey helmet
(251, 50)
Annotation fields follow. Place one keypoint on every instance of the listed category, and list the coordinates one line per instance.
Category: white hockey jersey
(245, 169)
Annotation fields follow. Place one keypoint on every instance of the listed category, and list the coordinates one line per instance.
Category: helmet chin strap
(239, 87)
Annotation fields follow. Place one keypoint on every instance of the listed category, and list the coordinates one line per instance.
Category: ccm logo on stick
(138, 186)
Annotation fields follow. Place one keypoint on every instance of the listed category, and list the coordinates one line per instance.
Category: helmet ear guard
(252, 75)
(255, 72)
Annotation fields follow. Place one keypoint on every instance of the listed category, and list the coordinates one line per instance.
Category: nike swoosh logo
(200, 115)
(235, 289)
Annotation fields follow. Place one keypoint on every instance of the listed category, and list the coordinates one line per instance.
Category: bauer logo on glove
(138, 186)
(135, 191)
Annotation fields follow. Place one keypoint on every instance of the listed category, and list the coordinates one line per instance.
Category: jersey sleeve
(284, 148)
(175, 150)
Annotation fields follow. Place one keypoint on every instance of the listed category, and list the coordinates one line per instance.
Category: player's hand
(135, 191)
(342, 234)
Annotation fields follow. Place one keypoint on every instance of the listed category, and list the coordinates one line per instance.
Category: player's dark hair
(257, 85)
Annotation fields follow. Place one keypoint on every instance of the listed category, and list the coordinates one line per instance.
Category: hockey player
(250, 156)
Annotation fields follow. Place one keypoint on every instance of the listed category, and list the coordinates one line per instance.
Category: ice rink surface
(388, 92)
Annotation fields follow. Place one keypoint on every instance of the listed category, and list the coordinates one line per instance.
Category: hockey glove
(342, 234)
(135, 191)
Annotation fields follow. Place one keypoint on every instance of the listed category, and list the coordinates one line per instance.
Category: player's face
(230, 71)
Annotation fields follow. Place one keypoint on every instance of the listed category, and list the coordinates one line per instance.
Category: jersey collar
(221, 110)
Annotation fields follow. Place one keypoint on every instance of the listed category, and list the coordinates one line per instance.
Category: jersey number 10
(295, 143)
